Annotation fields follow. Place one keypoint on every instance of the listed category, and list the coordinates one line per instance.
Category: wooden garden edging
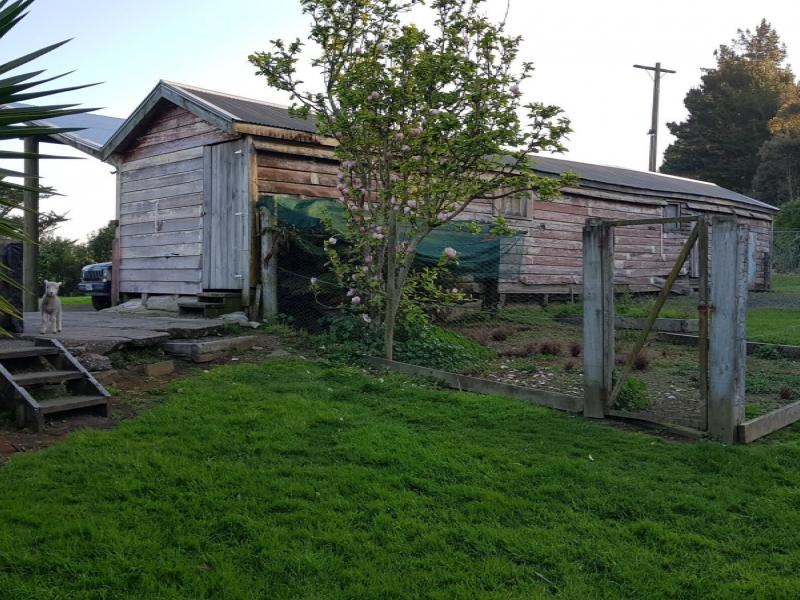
(483, 386)
(758, 427)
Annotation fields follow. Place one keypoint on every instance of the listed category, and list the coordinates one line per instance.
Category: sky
(583, 51)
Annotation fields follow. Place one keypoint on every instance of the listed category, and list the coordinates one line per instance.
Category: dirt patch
(133, 393)
(670, 372)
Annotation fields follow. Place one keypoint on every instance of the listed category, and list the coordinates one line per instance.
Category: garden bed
(540, 352)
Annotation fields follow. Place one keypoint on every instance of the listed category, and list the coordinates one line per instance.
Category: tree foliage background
(425, 120)
(731, 117)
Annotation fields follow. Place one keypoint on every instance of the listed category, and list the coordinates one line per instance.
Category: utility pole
(653, 133)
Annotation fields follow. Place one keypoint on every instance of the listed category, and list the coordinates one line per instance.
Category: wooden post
(598, 316)
(269, 266)
(726, 352)
(30, 248)
(702, 316)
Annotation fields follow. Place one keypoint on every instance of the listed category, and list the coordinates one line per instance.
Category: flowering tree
(427, 120)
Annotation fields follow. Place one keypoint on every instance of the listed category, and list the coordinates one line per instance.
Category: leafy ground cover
(292, 479)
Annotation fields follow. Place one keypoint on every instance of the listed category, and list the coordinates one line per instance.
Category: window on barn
(514, 208)
(672, 211)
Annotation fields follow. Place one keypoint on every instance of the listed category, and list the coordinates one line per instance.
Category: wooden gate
(226, 223)
(722, 344)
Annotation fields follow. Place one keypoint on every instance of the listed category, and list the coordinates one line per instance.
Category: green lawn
(786, 283)
(76, 300)
(774, 325)
(295, 480)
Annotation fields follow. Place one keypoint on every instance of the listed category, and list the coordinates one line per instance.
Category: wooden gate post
(727, 343)
(598, 316)
(269, 266)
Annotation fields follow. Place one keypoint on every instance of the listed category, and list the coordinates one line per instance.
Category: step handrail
(75, 363)
(22, 394)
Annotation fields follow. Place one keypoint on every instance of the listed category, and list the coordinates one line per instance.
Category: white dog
(51, 307)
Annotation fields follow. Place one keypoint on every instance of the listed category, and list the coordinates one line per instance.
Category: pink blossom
(405, 148)
(412, 203)
(365, 268)
(454, 291)
(350, 292)
(416, 131)
(399, 136)
(442, 217)
(373, 96)
(366, 318)
(514, 89)
(348, 164)
(338, 135)
(407, 209)
(377, 236)
(332, 241)
(368, 259)
(450, 252)
(361, 229)
(394, 178)
(356, 300)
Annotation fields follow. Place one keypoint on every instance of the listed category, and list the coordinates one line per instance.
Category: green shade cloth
(479, 254)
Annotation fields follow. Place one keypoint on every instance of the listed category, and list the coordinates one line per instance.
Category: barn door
(226, 245)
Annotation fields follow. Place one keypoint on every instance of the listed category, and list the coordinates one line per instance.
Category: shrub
(521, 351)
(642, 361)
(570, 365)
(786, 393)
(633, 395)
(349, 338)
(550, 348)
(501, 334)
(575, 349)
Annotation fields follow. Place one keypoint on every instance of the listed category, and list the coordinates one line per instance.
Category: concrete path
(102, 332)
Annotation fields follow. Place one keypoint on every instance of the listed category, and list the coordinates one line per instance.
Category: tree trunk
(391, 302)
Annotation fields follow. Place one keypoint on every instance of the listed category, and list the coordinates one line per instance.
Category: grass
(71, 300)
(296, 480)
(774, 325)
(786, 283)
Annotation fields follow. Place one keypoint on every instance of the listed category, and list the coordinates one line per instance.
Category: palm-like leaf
(23, 122)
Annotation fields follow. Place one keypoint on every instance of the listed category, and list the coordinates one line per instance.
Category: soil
(538, 355)
(134, 393)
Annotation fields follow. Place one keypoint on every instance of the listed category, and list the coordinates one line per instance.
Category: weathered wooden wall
(161, 204)
(548, 259)
(163, 252)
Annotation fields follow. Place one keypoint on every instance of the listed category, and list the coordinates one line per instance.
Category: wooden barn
(192, 163)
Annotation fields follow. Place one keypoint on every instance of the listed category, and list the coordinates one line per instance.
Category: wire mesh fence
(786, 250)
(535, 340)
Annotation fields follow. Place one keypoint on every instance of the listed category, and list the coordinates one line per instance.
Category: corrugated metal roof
(95, 129)
(250, 111)
(643, 180)
(272, 115)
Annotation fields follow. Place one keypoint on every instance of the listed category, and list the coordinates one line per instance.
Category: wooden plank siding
(161, 208)
(163, 227)
(548, 257)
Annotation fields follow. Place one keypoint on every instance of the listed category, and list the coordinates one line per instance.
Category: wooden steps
(24, 369)
(45, 377)
(71, 403)
(211, 304)
(26, 352)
